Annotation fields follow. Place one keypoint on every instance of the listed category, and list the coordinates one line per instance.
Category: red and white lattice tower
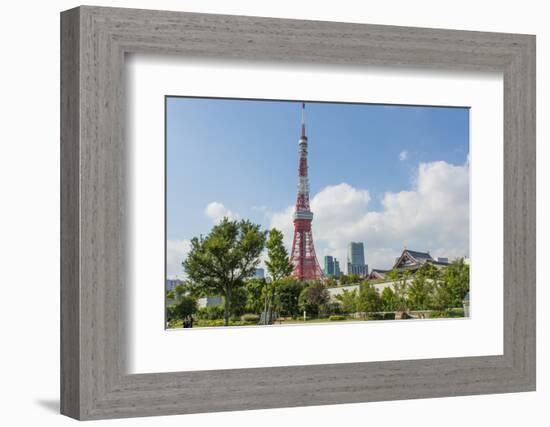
(303, 256)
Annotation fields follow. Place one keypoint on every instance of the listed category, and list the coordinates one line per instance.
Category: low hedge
(207, 322)
(219, 322)
(336, 318)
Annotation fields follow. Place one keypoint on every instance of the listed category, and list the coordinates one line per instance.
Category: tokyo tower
(303, 256)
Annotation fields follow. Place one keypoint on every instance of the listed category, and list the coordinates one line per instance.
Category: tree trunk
(226, 310)
(265, 304)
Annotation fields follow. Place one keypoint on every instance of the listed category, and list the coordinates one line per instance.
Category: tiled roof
(420, 256)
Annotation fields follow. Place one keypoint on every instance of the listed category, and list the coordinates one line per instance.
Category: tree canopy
(313, 298)
(278, 266)
(277, 263)
(219, 263)
(368, 300)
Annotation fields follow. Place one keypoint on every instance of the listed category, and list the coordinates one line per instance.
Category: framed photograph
(261, 213)
(289, 275)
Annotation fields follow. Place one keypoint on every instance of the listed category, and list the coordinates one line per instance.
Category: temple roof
(377, 273)
(419, 256)
(412, 259)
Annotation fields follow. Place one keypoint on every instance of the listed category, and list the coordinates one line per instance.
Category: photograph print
(304, 212)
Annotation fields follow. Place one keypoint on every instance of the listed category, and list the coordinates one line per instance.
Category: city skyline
(388, 176)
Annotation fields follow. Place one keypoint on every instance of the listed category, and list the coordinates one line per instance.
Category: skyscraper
(303, 258)
(329, 266)
(332, 267)
(356, 259)
(337, 272)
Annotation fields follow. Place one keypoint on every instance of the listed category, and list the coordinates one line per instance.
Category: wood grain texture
(94, 197)
(70, 220)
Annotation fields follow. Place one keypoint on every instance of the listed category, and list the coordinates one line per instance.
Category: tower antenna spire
(303, 119)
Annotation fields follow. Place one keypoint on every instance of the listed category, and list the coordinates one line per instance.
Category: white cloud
(403, 155)
(176, 252)
(217, 211)
(433, 215)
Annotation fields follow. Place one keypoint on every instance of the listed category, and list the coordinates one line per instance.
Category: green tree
(254, 295)
(354, 278)
(420, 292)
(388, 300)
(211, 312)
(428, 271)
(451, 287)
(238, 302)
(400, 284)
(313, 297)
(287, 296)
(349, 279)
(278, 266)
(441, 297)
(178, 291)
(183, 307)
(368, 299)
(457, 281)
(219, 263)
(348, 301)
(277, 263)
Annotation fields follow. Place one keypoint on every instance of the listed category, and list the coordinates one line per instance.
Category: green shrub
(219, 322)
(212, 312)
(183, 307)
(389, 316)
(250, 317)
(207, 322)
(336, 318)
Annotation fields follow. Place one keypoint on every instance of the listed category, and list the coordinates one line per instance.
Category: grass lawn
(219, 323)
(452, 313)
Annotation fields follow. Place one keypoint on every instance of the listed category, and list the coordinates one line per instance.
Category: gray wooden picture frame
(94, 41)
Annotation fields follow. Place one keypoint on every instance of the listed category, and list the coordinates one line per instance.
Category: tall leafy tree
(277, 263)
(420, 292)
(441, 297)
(388, 300)
(457, 282)
(400, 285)
(348, 301)
(278, 266)
(254, 291)
(368, 300)
(287, 296)
(451, 286)
(313, 297)
(219, 263)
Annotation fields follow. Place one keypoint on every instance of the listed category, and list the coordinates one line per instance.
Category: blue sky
(242, 156)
